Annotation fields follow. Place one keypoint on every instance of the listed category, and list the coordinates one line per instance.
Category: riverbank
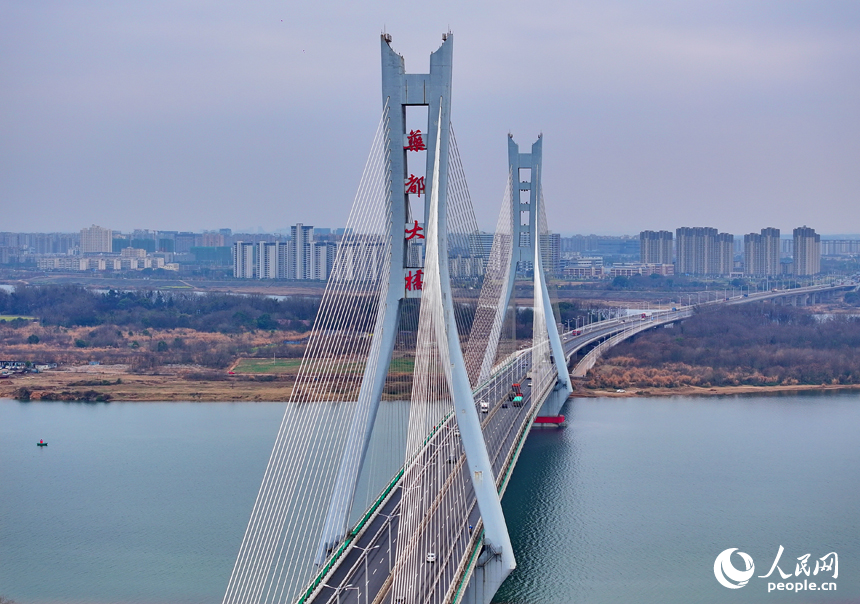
(190, 383)
(116, 383)
(582, 392)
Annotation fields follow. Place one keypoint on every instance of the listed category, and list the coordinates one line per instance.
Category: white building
(359, 260)
(807, 252)
(655, 247)
(96, 240)
(641, 268)
(322, 259)
(244, 265)
(302, 237)
(761, 253)
(268, 259)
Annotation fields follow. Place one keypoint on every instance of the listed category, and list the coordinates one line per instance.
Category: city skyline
(699, 114)
(332, 228)
(310, 252)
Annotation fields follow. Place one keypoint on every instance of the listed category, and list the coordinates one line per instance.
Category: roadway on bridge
(366, 567)
(364, 573)
(577, 339)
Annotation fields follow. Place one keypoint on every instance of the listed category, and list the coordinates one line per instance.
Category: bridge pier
(555, 400)
(487, 576)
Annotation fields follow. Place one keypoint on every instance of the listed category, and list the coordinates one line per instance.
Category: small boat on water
(41, 443)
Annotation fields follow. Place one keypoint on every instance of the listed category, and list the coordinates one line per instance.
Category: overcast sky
(183, 115)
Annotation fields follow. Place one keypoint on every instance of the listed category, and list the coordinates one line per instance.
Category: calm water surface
(637, 497)
(147, 502)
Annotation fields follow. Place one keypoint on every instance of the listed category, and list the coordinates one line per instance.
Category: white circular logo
(725, 572)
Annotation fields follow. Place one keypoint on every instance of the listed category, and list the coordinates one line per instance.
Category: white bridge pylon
(300, 517)
(519, 246)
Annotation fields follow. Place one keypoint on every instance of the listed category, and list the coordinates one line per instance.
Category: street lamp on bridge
(366, 578)
(339, 588)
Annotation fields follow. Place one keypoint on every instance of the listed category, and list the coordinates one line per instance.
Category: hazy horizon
(784, 234)
(183, 116)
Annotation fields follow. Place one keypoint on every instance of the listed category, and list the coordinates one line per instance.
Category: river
(632, 502)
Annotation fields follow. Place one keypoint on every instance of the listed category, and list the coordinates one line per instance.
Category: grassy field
(13, 317)
(267, 366)
(402, 365)
(291, 366)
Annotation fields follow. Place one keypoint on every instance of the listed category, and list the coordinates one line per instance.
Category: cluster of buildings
(101, 249)
(312, 254)
(705, 251)
(300, 257)
(307, 253)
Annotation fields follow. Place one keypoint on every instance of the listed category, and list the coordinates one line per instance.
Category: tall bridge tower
(395, 249)
(444, 537)
(419, 268)
(529, 244)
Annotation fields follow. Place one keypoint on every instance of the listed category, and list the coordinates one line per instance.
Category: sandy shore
(714, 391)
(187, 384)
(119, 385)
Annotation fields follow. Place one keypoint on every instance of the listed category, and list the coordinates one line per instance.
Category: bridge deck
(362, 573)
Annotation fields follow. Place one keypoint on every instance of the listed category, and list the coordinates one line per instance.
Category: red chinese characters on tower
(415, 184)
(415, 141)
(414, 282)
(414, 232)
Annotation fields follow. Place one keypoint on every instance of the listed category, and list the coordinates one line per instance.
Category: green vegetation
(402, 365)
(73, 306)
(749, 344)
(291, 366)
(268, 365)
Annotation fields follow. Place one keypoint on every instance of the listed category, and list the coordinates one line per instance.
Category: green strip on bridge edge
(480, 542)
(370, 511)
(520, 442)
(350, 536)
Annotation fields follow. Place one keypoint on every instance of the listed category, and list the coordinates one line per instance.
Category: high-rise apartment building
(322, 259)
(244, 265)
(96, 240)
(285, 260)
(359, 260)
(212, 240)
(302, 238)
(698, 252)
(484, 241)
(807, 251)
(267, 260)
(753, 262)
(183, 242)
(655, 247)
(725, 248)
(550, 251)
(761, 253)
(277, 259)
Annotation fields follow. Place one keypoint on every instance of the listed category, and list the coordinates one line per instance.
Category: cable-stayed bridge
(415, 317)
(386, 477)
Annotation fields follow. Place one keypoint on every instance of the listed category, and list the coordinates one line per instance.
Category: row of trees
(756, 344)
(74, 306)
